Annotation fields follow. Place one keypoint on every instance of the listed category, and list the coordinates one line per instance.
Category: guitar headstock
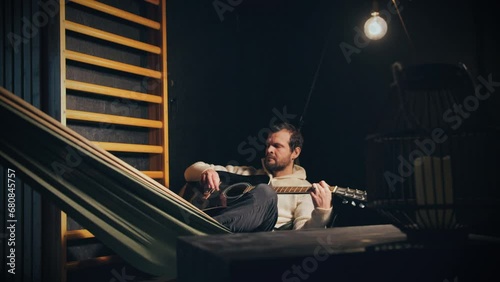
(355, 197)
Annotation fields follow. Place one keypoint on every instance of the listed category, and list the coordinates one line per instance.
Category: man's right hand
(210, 182)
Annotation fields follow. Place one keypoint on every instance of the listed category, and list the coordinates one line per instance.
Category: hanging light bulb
(375, 27)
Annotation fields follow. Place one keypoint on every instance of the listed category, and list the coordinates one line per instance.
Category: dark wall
(227, 74)
(226, 79)
(21, 205)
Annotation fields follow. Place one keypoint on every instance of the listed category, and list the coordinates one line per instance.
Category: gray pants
(255, 211)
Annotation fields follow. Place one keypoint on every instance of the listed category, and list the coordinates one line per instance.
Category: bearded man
(262, 209)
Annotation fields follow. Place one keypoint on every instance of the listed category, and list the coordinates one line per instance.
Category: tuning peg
(361, 205)
(353, 203)
(344, 201)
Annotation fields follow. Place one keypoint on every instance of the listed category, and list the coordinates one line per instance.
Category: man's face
(278, 153)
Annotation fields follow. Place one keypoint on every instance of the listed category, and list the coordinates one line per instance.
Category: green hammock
(133, 215)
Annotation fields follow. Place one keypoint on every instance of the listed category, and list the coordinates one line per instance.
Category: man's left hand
(321, 195)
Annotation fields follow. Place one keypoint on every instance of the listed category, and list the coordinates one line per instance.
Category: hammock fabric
(132, 214)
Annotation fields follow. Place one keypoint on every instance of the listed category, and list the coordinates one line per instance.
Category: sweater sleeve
(306, 216)
(194, 171)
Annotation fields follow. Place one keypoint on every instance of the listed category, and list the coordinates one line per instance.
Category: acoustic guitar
(234, 186)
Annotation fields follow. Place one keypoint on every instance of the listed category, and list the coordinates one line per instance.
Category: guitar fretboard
(348, 192)
(292, 190)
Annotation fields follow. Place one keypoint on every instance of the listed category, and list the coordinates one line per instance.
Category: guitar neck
(303, 189)
(348, 192)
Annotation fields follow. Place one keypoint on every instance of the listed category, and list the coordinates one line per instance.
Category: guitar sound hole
(235, 190)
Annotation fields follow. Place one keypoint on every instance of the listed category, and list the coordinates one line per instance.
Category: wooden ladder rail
(157, 101)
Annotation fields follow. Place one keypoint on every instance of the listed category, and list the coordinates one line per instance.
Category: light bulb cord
(404, 27)
(313, 84)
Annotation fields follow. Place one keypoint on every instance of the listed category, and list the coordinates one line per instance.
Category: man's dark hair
(296, 139)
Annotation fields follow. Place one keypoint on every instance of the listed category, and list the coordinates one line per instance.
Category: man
(257, 210)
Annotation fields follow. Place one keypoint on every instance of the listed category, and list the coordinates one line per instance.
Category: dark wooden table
(359, 253)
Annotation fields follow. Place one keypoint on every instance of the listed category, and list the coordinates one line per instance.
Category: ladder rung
(111, 37)
(113, 119)
(78, 234)
(118, 13)
(111, 91)
(93, 262)
(110, 64)
(156, 2)
(128, 147)
(153, 174)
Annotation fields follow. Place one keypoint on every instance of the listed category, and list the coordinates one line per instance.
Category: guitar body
(233, 186)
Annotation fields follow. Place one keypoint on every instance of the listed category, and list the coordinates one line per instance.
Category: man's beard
(276, 166)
